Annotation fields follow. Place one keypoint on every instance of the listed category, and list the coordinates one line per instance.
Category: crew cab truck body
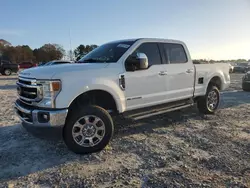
(137, 78)
(7, 68)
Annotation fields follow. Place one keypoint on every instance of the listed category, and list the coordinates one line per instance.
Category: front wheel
(88, 130)
(7, 72)
(209, 103)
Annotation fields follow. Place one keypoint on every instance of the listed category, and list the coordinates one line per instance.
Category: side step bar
(161, 112)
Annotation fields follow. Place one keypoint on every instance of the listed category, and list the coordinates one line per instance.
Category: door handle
(162, 73)
(189, 71)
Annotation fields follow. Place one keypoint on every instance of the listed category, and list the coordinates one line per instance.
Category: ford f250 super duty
(137, 78)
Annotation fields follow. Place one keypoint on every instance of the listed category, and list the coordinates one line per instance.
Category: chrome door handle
(189, 71)
(162, 73)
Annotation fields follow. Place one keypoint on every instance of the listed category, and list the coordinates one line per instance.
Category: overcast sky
(214, 29)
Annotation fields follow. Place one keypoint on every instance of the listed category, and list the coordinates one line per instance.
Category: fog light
(43, 117)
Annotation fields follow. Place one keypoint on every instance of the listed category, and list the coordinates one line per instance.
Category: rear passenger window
(152, 52)
(175, 53)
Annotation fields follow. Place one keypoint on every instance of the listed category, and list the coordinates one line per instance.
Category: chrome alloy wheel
(88, 131)
(212, 100)
(7, 72)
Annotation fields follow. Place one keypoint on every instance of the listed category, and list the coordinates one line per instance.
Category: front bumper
(35, 117)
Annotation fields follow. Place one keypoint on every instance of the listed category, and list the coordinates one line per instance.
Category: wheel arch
(98, 97)
(216, 81)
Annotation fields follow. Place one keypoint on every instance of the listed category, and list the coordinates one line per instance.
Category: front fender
(73, 90)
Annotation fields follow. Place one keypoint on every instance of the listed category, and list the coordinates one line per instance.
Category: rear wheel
(88, 130)
(209, 103)
(7, 72)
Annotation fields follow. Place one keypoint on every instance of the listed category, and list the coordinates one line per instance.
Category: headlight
(50, 90)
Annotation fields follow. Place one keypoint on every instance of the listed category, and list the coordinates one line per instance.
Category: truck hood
(48, 72)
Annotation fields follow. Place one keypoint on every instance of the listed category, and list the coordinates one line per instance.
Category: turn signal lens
(56, 86)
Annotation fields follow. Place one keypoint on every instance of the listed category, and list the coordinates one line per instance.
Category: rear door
(180, 72)
(146, 87)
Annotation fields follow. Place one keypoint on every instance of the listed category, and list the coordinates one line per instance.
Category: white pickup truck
(137, 78)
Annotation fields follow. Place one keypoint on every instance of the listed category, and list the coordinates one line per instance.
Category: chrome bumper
(56, 118)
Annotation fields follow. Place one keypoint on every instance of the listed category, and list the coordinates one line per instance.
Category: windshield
(110, 52)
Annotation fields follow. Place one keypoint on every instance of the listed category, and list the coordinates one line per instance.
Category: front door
(146, 87)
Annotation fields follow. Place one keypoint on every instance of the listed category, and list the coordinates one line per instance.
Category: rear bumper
(41, 117)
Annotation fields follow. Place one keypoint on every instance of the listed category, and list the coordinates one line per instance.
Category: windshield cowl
(91, 60)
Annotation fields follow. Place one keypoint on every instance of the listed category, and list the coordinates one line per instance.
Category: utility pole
(70, 51)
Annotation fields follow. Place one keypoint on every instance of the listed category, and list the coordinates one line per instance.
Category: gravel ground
(177, 149)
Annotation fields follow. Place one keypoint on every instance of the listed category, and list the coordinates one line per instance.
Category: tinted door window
(5, 62)
(175, 53)
(152, 52)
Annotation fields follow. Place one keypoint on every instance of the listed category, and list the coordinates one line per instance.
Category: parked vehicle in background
(26, 65)
(241, 68)
(7, 68)
(136, 78)
(57, 62)
(246, 82)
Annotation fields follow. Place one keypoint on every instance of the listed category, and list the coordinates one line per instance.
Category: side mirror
(138, 62)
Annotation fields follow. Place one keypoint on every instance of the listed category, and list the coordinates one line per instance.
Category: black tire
(7, 72)
(245, 87)
(202, 103)
(74, 116)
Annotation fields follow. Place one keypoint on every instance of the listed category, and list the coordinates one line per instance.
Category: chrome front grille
(29, 91)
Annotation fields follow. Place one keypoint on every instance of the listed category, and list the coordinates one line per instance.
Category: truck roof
(149, 40)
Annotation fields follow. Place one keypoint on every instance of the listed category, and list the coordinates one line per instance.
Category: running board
(161, 112)
(158, 109)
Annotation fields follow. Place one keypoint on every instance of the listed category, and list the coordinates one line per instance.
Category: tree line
(45, 53)
(222, 61)
(204, 61)
(49, 52)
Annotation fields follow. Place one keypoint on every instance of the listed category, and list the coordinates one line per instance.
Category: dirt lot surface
(177, 149)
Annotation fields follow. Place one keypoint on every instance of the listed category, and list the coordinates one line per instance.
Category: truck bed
(205, 71)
